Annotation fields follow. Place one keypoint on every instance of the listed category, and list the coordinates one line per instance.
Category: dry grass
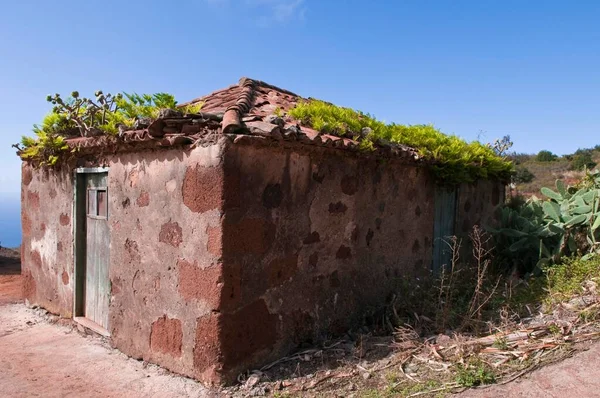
(470, 329)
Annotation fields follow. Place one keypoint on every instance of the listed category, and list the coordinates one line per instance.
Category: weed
(566, 279)
(475, 374)
(554, 329)
(500, 343)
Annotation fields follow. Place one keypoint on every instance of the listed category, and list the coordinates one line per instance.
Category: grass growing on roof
(453, 159)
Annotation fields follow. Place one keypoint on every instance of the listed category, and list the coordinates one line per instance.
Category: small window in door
(97, 205)
(102, 204)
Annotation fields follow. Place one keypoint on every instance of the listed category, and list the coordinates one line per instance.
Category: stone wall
(165, 217)
(314, 242)
(477, 204)
(225, 257)
(47, 245)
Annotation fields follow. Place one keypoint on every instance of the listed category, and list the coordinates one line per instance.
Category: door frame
(79, 246)
(439, 250)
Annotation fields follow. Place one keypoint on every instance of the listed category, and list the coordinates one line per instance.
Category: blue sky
(525, 68)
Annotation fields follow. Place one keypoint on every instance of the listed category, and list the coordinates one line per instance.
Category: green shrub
(452, 159)
(545, 156)
(582, 160)
(522, 175)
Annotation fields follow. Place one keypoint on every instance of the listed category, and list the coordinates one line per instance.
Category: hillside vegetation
(534, 171)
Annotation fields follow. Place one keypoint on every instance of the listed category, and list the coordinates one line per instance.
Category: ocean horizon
(10, 220)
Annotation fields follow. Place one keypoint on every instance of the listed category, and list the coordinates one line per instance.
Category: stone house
(214, 243)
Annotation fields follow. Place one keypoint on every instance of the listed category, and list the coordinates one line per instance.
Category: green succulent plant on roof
(105, 114)
(451, 159)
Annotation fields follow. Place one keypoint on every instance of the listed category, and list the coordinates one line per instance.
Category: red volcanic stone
(272, 196)
(313, 237)
(171, 233)
(166, 336)
(232, 285)
(250, 235)
(36, 258)
(33, 200)
(224, 340)
(207, 353)
(369, 236)
(202, 188)
(198, 283)
(349, 185)
(313, 259)
(27, 175)
(214, 245)
(115, 286)
(25, 222)
(29, 287)
(143, 200)
(65, 278)
(64, 219)
(416, 247)
(343, 253)
(337, 208)
(418, 211)
(355, 233)
(281, 269)
(334, 279)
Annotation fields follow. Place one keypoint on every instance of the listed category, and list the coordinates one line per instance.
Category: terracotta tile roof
(262, 98)
(243, 112)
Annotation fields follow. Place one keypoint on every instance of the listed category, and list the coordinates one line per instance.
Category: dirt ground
(578, 376)
(41, 358)
(41, 355)
(10, 276)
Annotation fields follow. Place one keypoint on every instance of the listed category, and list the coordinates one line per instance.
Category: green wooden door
(443, 227)
(96, 286)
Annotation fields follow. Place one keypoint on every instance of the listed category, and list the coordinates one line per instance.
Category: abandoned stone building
(211, 244)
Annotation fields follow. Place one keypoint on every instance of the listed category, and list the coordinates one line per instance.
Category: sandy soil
(41, 358)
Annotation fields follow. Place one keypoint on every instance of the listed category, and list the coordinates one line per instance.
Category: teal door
(443, 227)
(97, 240)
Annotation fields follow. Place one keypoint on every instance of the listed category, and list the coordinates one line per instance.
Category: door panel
(443, 227)
(97, 250)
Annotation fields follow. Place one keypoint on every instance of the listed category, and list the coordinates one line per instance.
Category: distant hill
(10, 220)
(535, 171)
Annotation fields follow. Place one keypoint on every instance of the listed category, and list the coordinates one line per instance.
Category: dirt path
(578, 376)
(38, 358)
